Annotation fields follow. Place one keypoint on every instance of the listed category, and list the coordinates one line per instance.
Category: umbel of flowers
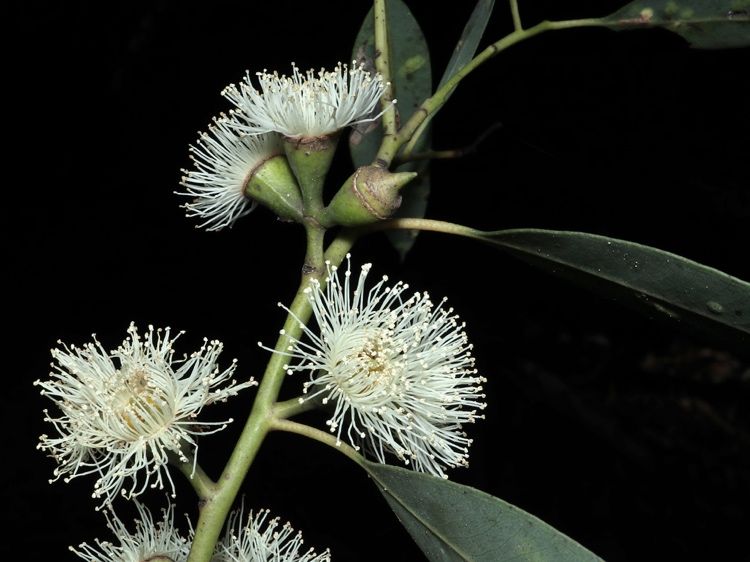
(276, 145)
(159, 541)
(124, 412)
(251, 538)
(398, 371)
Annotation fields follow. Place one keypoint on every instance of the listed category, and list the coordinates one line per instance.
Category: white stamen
(306, 105)
(256, 537)
(224, 160)
(398, 370)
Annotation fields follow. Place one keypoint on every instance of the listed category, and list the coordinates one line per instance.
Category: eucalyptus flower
(125, 412)
(228, 165)
(149, 541)
(259, 539)
(312, 104)
(398, 370)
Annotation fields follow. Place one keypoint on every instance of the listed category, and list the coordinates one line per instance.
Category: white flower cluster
(251, 539)
(150, 540)
(302, 105)
(398, 370)
(254, 538)
(123, 413)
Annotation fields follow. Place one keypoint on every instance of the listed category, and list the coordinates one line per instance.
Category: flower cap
(125, 412)
(224, 162)
(312, 104)
(149, 541)
(257, 538)
(398, 370)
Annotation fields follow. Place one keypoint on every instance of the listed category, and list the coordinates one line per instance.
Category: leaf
(410, 69)
(451, 522)
(662, 283)
(412, 83)
(414, 204)
(705, 24)
(463, 52)
(470, 38)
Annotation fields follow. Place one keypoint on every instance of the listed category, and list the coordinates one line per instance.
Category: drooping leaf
(659, 282)
(455, 523)
(705, 24)
(412, 83)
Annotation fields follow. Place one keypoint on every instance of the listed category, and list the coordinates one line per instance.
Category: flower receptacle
(369, 195)
(272, 184)
(310, 158)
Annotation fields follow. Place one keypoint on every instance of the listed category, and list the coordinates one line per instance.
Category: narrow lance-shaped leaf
(655, 281)
(455, 523)
(470, 38)
(415, 201)
(465, 49)
(411, 77)
(705, 24)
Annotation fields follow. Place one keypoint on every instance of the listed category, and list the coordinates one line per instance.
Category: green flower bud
(272, 184)
(233, 172)
(369, 195)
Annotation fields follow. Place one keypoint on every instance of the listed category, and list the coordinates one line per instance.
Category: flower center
(372, 372)
(137, 402)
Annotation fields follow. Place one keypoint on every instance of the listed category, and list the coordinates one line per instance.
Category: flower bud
(272, 184)
(369, 195)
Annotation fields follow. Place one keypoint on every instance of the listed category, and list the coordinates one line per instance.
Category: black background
(631, 436)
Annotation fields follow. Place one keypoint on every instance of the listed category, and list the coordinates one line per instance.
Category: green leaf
(470, 38)
(414, 204)
(705, 24)
(412, 83)
(451, 522)
(661, 283)
(410, 70)
(463, 53)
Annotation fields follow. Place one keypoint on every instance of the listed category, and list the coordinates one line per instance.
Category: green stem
(199, 480)
(317, 435)
(516, 15)
(428, 224)
(391, 144)
(314, 266)
(216, 505)
(292, 407)
(339, 248)
(383, 66)
(448, 154)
